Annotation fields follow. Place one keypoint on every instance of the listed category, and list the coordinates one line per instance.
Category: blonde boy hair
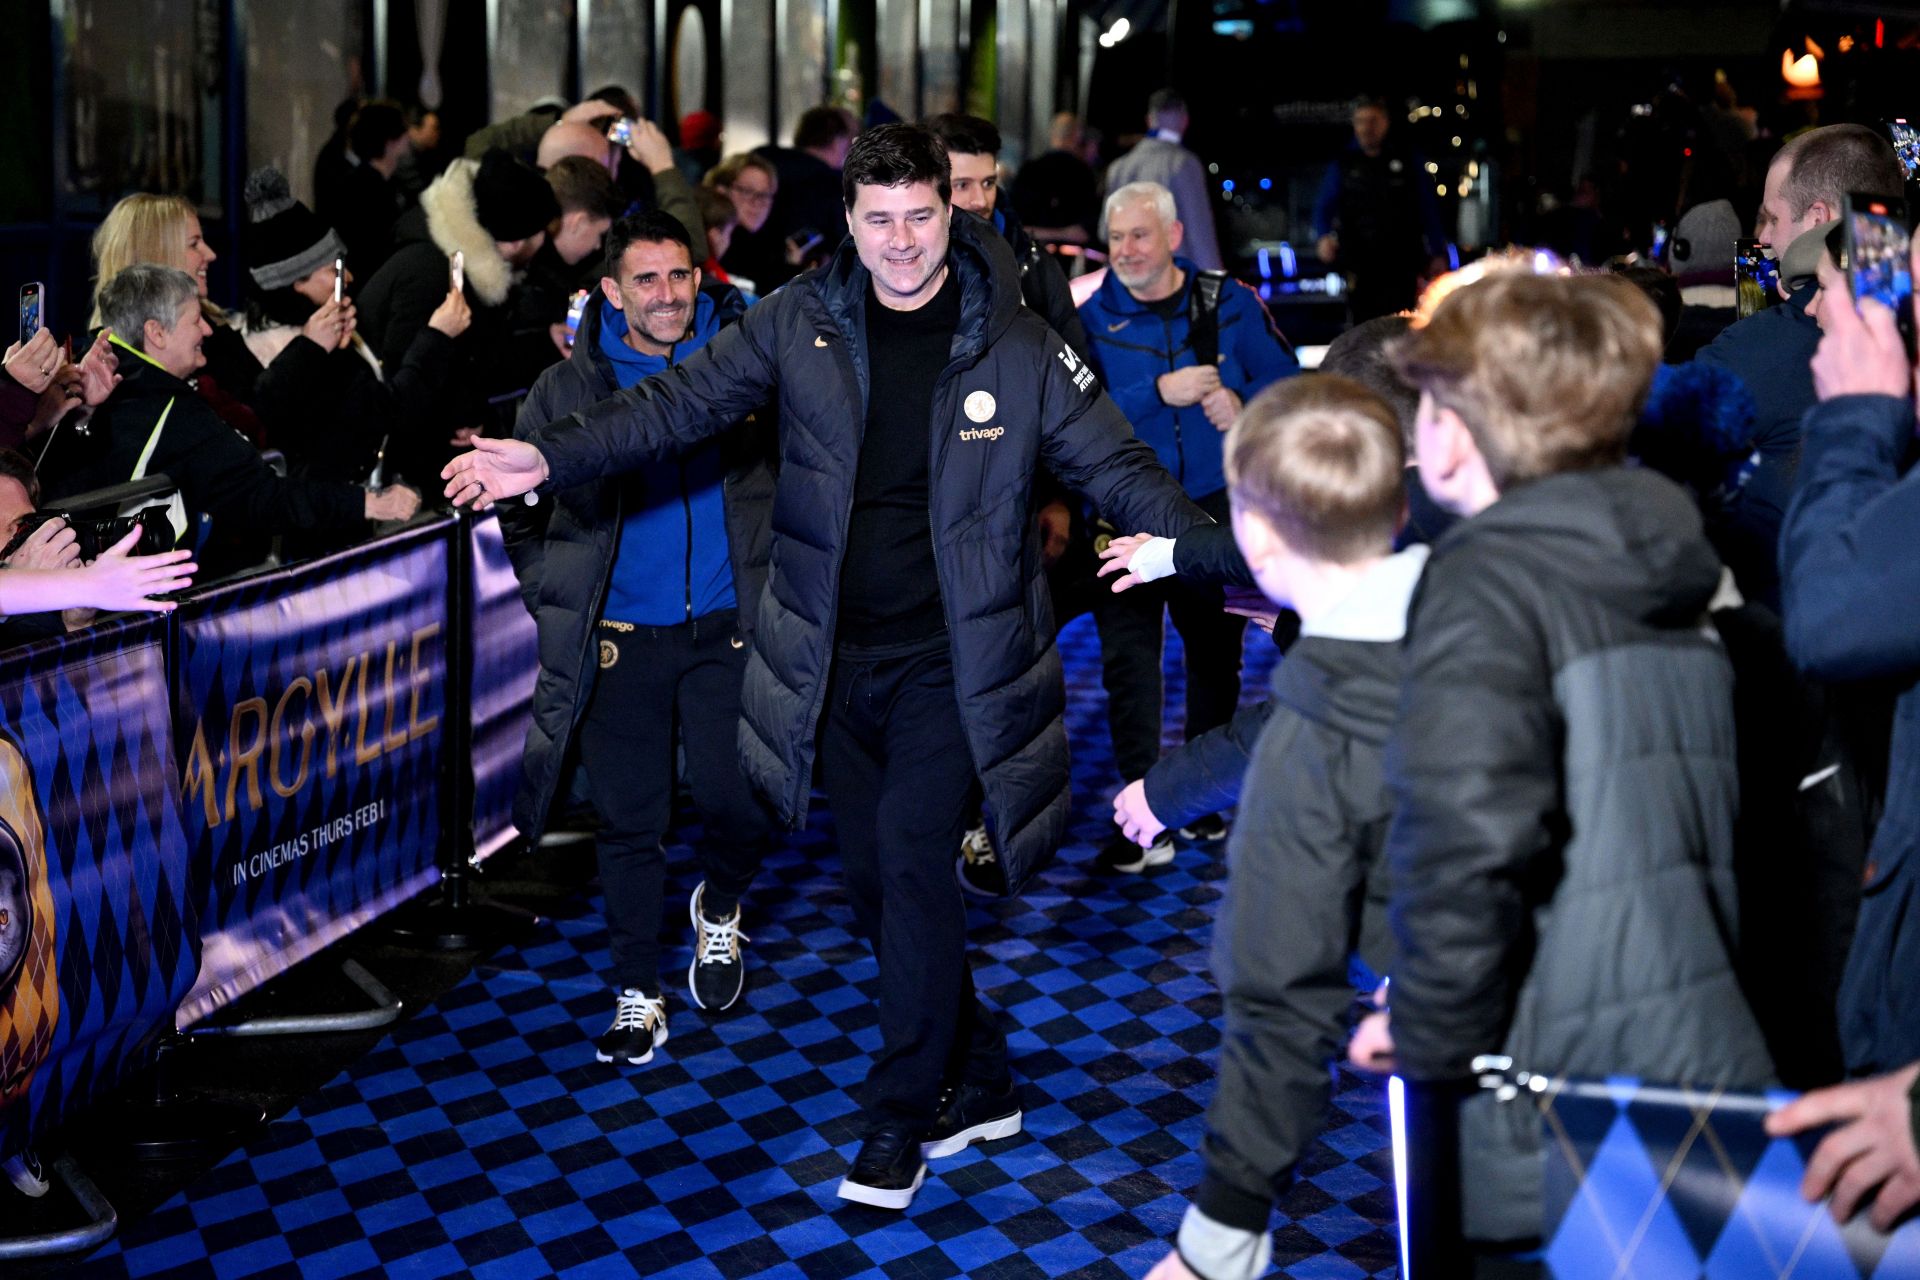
(1320, 458)
(1548, 372)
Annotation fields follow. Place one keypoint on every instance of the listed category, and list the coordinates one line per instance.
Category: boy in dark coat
(1563, 766)
(1314, 467)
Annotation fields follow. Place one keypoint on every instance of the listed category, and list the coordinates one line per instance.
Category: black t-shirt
(889, 593)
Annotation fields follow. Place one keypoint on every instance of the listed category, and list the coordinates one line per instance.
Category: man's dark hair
(1372, 102)
(584, 186)
(417, 113)
(896, 155)
(1165, 100)
(1827, 164)
(821, 127)
(618, 98)
(969, 135)
(376, 124)
(1361, 354)
(14, 466)
(651, 227)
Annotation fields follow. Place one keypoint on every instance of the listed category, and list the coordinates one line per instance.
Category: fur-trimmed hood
(453, 220)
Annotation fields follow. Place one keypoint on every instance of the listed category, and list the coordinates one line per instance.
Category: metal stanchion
(457, 915)
(102, 1220)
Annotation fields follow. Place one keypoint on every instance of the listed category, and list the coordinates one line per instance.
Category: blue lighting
(1266, 267)
(1453, 256)
(1266, 184)
(1289, 261)
(1227, 186)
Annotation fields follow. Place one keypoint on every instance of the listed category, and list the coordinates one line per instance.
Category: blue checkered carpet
(481, 1138)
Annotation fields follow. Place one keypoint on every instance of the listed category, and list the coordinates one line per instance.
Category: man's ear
(611, 291)
(1176, 234)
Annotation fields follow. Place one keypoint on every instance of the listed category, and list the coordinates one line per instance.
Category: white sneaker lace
(720, 939)
(633, 1011)
(975, 847)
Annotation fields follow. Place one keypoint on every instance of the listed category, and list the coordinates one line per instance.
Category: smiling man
(643, 588)
(904, 635)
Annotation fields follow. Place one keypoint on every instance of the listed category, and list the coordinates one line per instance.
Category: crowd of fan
(1596, 718)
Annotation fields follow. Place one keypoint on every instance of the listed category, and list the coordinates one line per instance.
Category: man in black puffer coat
(905, 628)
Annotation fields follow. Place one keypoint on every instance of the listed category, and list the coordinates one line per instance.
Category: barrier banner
(506, 659)
(311, 711)
(1646, 1180)
(96, 915)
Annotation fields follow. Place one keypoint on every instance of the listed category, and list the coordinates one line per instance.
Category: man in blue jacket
(1179, 350)
(643, 589)
(1846, 561)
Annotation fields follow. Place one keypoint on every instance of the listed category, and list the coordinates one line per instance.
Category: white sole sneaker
(659, 1038)
(988, 1131)
(1158, 854)
(882, 1197)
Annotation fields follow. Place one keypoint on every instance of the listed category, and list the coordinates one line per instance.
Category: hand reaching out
(120, 580)
(1869, 1153)
(495, 469)
(52, 546)
(1119, 554)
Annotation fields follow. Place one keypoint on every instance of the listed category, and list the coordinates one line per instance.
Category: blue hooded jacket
(672, 564)
(1130, 345)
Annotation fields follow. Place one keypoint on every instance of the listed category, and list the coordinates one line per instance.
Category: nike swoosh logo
(819, 342)
(1115, 328)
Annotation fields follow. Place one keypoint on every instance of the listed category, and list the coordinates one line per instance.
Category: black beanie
(511, 199)
(283, 238)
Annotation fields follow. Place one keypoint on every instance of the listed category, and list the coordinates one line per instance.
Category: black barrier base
(457, 916)
(102, 1220)
(166, 1125)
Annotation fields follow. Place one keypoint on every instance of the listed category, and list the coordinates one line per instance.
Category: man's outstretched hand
(496, 469)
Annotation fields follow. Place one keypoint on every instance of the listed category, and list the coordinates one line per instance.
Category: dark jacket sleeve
(711, 390)
(1209, 554)
(1086, 443)
(1049, 294)
(419, 381)
(1205, 775)
(1474, 770)
(225, 476)
(523, 528)
(287, 389)
(415, 297)
(1298, 867)
(1850, 537)
(1261, 351)
(17, 407)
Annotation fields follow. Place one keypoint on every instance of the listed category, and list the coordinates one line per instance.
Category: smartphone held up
(32, 310)
(1879, 258)
(457, 270)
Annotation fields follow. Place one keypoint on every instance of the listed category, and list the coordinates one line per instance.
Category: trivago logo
(29, 982)
(982, 433)
(367, 708)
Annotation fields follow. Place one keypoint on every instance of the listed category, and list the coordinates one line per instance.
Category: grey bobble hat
(284, 239)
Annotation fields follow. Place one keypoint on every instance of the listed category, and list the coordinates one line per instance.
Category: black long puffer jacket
(563, 552)
(1014, 395)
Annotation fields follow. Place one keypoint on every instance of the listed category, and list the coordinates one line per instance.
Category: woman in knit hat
(331, 403)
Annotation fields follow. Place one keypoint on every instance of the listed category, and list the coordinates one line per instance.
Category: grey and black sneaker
(717, 974)
(1211, 829)
(978, 868)
(25, 1173)
(888, 1170)
(1123, 856)
(971, 1113)
(639, 1027)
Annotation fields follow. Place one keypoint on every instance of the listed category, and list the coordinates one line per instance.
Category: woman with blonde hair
(166, 230)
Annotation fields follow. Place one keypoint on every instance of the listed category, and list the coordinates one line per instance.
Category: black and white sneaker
(25, 1173)
(1211, 829)
(888, 1170)
(978, 868)
(639, 1027)
(718, 973)
(1123, 856)
(970, 1114)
